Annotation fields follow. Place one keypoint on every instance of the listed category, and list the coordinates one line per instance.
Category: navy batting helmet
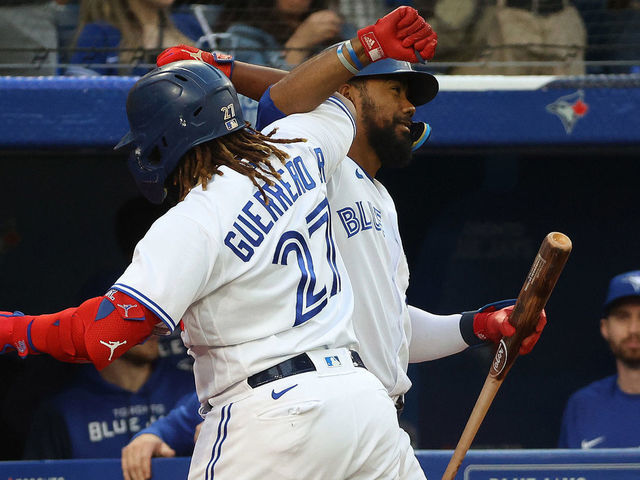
(423, 86)
(171, 110)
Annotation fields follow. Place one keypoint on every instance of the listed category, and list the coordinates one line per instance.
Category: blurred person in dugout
(280, 33)
(507, 37)
(100, 411)
(28, 37)
(115, 36)
(606, 413)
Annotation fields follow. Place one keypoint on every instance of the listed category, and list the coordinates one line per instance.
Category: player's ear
(604, 331)
(346, 90)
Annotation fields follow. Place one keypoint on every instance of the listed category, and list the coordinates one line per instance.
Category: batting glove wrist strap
(466, 329)
(221, 61)
(489, 323)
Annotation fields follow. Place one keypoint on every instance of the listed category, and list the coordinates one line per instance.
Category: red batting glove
(399, 35)
(221, 61)
(14, 333)
(494, 324)
(528, 343)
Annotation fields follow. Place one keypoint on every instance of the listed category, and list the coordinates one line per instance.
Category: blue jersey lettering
(356, 220)
(305, 176)
(242, 249)
(250, 228)
(320, 158)
(257, 218)
(349, 221)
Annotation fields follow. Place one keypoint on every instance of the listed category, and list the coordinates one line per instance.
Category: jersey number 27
(309, 301)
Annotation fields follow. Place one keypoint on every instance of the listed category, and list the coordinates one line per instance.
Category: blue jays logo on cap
(623, 285)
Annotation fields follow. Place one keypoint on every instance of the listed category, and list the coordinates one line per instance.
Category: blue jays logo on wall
(569, 109)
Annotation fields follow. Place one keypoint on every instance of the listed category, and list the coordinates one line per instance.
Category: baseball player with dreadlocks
(247, 260)
(391, 334)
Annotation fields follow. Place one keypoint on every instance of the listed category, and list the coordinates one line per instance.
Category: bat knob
(560, 241)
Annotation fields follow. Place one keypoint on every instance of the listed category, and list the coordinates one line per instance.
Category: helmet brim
(423, 86)
(124, 141)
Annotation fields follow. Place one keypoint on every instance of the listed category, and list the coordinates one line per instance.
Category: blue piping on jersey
(344, 108)
(147, 302)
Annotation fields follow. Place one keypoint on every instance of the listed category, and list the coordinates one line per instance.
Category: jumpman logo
(126, 309)
(195, 55)
(112, 346)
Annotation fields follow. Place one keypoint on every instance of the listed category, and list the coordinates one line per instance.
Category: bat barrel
(536, 290)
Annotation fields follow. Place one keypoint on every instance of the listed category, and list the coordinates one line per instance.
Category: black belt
(293, 366)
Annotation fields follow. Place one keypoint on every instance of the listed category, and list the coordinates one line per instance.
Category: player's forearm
(313, 81)
(98, 331)
(434, 336)
(253, 80)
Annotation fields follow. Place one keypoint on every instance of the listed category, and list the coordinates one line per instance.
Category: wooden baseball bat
(533, 296)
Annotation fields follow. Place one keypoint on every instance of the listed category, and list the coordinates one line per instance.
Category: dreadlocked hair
(246, 151)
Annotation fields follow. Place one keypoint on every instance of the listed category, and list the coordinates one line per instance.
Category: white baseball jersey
(367, 235)
(254, 282)
(366, 227)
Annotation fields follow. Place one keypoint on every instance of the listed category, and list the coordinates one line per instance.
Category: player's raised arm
(248, 79)
(402, 34)
(399, 35)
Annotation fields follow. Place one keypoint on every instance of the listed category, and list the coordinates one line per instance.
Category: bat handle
(487, 394)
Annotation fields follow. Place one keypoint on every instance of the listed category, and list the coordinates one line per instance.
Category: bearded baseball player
(246, 259)
(391, 334)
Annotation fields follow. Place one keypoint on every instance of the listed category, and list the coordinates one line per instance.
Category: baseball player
(246, 259)
(391, 334)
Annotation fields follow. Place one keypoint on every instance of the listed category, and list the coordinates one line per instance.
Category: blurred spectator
(508, 37)
(97, 415)
(606, 413)
(173, 435)
(361, 13)
(280, 33)
(27, 38)
(124, 33)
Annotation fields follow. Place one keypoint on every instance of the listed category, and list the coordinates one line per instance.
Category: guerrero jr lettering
(251, 226)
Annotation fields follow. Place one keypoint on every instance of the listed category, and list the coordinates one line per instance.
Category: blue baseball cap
(621, 286)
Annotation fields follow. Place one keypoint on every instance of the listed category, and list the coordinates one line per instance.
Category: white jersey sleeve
(173, 263)
(332, 125)
(434, 336)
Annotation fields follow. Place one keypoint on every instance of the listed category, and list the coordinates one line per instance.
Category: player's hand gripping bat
(535, 292)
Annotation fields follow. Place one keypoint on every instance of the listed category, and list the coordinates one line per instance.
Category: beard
(628, 356)
(393, 149)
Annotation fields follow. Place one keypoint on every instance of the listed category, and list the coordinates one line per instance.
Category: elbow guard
(98, 331)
